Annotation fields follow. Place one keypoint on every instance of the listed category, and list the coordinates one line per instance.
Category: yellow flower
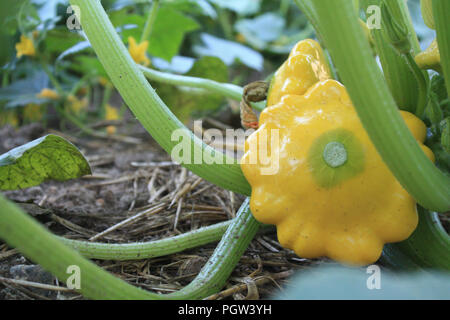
(9, 117)
(104, 81)
(111, 113)
(76, 105)
(33, 112)
(240, 38)
(48, 94)
(137, 51)
(25, 47)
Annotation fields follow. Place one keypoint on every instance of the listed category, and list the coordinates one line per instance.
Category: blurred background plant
(53, 77)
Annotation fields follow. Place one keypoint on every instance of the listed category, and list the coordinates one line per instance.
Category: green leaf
(59, 40)
(168, 33)
(211, 68)
(202, 7)
(190, 100)
(178, 64)
(88, 65)
(47, 158)
(80, 46)
(229, 52)
(130, 25)
(23, 92)
(267, 27)
(8, 26)
(239, 6)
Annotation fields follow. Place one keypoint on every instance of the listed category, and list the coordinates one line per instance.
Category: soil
(126, 176)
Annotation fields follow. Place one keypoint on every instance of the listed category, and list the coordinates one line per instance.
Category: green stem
(152, 249)
(79, 124)
(226, 89)
(376, 107)
(224, 20)
(106, 96)
(399, 76)
(403, 13)
(441, 8)
(148, 108)
(284, 7)
(427, 247)
(22, 232)
(150, 21)
(52, 78)
(422, 83)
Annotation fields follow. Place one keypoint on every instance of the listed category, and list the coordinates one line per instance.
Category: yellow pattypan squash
(328, 191)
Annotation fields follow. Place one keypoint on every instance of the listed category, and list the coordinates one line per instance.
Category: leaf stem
(226, 89)
(147, 250)
(422, 83)
(151, 18)
(399, 76)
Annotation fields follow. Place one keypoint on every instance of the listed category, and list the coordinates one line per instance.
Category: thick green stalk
(22, 232)
(422, 85)
(147, 250)
(375, 106)
(427, 247)
(441, 9)
(149, 109)
(150, 21)
(399, 77)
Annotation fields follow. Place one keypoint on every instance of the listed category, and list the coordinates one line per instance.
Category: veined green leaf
(49, 157)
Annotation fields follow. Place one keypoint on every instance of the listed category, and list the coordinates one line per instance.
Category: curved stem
(152, 249)
(150, 21)
(150, 110)
(399, 76)
(22, 232)
(422, 83)
(376, 107)
(228, 90)
(427, 247)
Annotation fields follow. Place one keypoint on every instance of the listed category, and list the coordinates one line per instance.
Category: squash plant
(376, 97)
